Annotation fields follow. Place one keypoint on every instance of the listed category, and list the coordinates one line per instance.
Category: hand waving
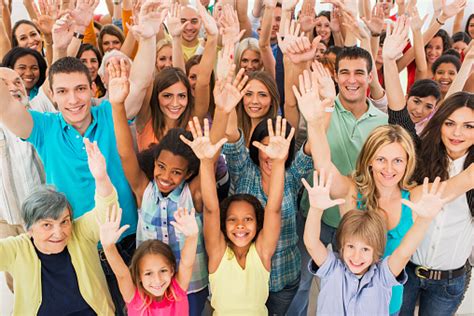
(431, 202)
(185, 222)
(46, 15)
(319, 194)
(96, 160)
(62, 32)
(201, 143)
(175, 27)
(376, 22)
(278, 145)
(227, 94)
(208, 21)
(84, 12)
(119, 85)
(396, 39)
(110, 230)
(152, 14)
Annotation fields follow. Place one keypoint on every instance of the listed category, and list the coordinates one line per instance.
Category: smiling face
(457, 132)
(155, 274)
(257, 100)
(164, 58)
(241, 223)
(323, 29)
(250, 61)
(389, 165)
(459, 46)
(357, 255)
(353, 80)
(27, 36)
(444, 76)
(170, 171)
(28, 70)
(470, 27)
(50, 236)
(420, 108)
(320, 49)
(89, 58)
(192, 76)
(434, 49)
(173, 100)
(110, 42)
(15, 84)
(72, 93)
(191, 31)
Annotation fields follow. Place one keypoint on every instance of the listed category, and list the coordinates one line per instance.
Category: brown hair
(109, 29)
(151, 247)
(368, 226)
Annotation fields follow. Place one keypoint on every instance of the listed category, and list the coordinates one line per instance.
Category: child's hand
(431, 202)
(278, 145)
(319, 194)
(109, 230)
(119, 85)
(185, 222)
(96, 160)
(201, 144)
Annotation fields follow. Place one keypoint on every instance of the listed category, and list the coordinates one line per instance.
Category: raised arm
(464, 72)
(277, 151)
(98, 169)
(319, 200)
(185, 223)
(175, 28)
(426, 210)
(266, 52)
(244, 22)
(206, 65)
(416, 24)
(118, 91)
(45, 17)
(206, 152)
(395, 42)
(5, 44)
(152, 14)
(14, 115)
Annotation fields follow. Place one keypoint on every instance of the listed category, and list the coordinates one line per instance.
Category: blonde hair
(368, 226)
(363, 177)
(163, 43)
(246, 44)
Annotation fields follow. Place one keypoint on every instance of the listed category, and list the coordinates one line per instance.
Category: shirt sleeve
(403, 119)
(8, 251)
(381, 104)
(301, 166)
(40, 124)
(237, 158)
(387, 279)
(331, 264)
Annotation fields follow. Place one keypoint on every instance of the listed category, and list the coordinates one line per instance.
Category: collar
(173, 195)
(371, 110)
(65, 125)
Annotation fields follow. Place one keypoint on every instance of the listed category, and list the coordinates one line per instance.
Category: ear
(371, 77)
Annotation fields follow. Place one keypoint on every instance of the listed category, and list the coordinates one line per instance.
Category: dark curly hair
(10, 59)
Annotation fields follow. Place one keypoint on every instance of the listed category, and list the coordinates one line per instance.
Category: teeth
(240, 235)
(351, 88)
(75, 110)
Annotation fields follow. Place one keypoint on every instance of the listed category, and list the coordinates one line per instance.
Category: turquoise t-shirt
(394, 238)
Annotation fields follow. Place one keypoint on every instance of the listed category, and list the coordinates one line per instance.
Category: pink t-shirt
(164, 307)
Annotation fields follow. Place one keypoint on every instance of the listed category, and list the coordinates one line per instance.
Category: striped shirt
(154, 220)
(246, 178)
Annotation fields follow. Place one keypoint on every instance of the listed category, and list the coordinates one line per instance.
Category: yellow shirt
(237, 291)
(19, 258)
(189, 52)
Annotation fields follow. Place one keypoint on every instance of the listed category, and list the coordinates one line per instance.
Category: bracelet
(329, 109)
(439, 22)
(375, 34)
(78, 35)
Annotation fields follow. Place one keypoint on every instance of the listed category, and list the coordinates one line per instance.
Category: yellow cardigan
(19, 258)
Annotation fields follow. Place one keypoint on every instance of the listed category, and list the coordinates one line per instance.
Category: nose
(72, 98)
(57, 231)
(254, 99)
(457, 130)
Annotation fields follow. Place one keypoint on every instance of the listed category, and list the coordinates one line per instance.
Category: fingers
(270, 127)
(409, 203)
(185, 140)
(339, 201)
(221, 142)
(259, 145)
(425, 185)
(123, 229)
(306, 184)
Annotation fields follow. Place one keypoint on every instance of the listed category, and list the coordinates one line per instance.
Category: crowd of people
(171, 155)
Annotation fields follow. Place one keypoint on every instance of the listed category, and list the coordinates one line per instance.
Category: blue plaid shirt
(154, 220)
(246, 178)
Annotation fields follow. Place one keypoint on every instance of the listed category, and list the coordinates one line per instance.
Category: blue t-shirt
(64, 156)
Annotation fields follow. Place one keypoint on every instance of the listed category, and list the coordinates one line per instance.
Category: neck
(192, 43)
(240, 252)
(170, 123)
(388, 192)
(83, 126)
(455, 154)
(357, 108)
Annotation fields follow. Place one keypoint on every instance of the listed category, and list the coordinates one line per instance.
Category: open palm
(110, 230)
(201, 143)
(185, 222)
(278, 144)
(319, 194)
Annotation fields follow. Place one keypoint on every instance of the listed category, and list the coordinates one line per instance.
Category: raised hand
(119, 85)
(396, 39)
(208, 21)
(308, 97)
(62, 32)
(201, 143)
(96, 160)
(278, 144)
(335, 23)
(450, 10)
(301, 49)
(353, 26)
(228, 93)
(175, 27)
(289, 5)
(46, 15)
(431, 202)
(225, 61)
(416, 23)
(327, 90)
(152, 14)
(185, 222)
(376, 22)
(84, 12)
(291, 31)
(110, 230)
(319, 197)
(230, 28)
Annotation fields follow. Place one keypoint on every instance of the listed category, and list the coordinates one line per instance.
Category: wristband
(329, 109)
(375, 34)
(78, 35)
(439, 22)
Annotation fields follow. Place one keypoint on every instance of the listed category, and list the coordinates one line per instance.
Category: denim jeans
(441, 297)
(126, 248)
(197, 301)
(278, 302)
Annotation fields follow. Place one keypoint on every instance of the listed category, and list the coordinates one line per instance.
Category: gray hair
(44, 202)
(106, 58)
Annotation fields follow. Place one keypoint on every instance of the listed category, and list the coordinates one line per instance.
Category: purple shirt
(343, 293)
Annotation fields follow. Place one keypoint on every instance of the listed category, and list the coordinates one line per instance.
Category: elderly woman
(55, 265)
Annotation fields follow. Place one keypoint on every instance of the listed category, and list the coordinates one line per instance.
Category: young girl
(240, 252)
(153, 285)
(356, 282)
(163, 186)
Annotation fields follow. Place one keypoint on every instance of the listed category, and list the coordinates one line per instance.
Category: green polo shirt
(346, 135)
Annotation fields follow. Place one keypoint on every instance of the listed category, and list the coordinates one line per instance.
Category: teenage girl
(154, 285)
(240, 251)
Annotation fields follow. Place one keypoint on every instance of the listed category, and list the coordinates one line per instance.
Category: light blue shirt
(343, 293)
(64, 156)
